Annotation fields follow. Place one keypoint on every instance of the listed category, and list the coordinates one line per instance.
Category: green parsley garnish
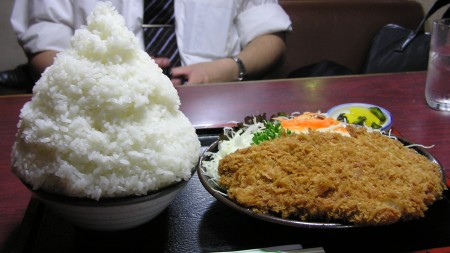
(272, 131)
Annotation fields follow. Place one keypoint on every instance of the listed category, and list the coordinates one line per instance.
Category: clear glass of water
(437, 88)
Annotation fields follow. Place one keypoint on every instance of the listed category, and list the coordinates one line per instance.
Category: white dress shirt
(206, 30)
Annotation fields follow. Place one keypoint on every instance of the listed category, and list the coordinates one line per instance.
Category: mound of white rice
(104, 120)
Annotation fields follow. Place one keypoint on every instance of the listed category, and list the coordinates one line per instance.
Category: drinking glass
(437, 87)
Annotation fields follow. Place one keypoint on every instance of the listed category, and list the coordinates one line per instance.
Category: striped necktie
(159, 30)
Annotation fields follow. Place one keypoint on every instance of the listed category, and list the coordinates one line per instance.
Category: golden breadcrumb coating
(365, 179)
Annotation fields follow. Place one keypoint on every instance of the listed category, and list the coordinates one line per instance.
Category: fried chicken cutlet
(365, 179)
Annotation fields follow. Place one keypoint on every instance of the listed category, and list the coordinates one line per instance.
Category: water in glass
(437, 88)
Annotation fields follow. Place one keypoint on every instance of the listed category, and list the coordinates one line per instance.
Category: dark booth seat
(340, 30)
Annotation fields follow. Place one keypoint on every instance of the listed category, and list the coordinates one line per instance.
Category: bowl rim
(386, 125)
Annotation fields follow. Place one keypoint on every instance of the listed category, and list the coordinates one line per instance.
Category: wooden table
(197, 222)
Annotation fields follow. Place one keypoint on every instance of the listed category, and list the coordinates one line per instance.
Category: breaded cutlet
(367, 178)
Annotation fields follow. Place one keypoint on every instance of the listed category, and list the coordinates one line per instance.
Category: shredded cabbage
(239, 139)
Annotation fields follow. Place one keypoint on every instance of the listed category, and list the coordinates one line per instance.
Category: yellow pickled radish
(356, 112)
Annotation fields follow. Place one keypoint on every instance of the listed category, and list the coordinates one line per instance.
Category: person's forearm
(40, 61)
(263, 53)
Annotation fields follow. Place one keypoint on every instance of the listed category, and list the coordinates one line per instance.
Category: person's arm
(43, 28)
(40, 61)
(263, 54)
(260, 55)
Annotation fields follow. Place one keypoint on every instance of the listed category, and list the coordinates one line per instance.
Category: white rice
(104, 120)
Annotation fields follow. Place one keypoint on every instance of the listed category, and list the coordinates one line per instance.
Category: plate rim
(298, 223)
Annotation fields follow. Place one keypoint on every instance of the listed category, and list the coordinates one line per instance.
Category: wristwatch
(242, 71)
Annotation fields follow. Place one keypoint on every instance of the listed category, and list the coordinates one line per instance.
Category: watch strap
(242, 71)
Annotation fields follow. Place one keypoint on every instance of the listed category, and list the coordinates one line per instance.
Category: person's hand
(222, 70)
(163, 62)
